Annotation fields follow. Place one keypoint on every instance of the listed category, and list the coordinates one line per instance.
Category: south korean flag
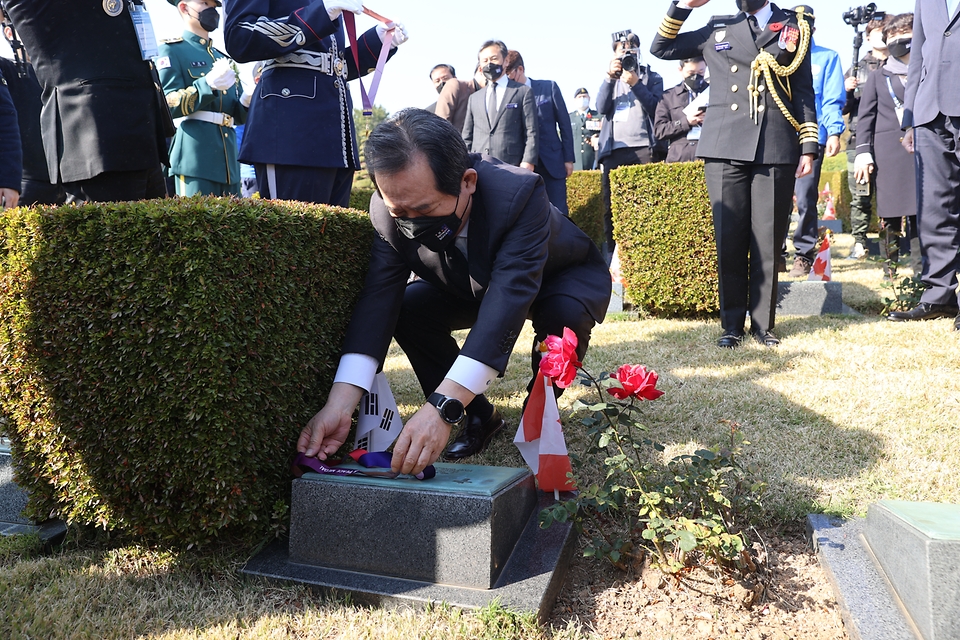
(379, 422)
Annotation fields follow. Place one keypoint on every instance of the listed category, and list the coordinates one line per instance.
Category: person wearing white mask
(586, 129)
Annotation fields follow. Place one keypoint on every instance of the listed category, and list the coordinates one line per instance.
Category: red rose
(560, 362)
(635, 381)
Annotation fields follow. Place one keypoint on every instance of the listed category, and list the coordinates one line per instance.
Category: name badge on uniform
(198, 63)
(511, 105)
(789, 36)
(722, 46)
(145, 33)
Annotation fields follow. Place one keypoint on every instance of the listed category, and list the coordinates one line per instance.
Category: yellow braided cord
(766, 65)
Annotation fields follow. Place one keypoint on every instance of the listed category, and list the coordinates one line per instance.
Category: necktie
(754, 26)
(492, 104)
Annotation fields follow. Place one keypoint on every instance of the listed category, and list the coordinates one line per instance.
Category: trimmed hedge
(360, 199)
(663, 227)
(158, 359)
(585, 202)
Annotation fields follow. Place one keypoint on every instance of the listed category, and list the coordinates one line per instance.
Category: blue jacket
(11, 155)
(551, 116)
(301, 113)
(829, 89)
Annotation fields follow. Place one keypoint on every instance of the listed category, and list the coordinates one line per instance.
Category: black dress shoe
(730, 339)
(766, 338)
(474, 437)
(924, 311)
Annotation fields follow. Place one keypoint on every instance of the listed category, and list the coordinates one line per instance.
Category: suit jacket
(878, 133)
(513, 136)
(10, 151)
(933, 80)
(453, 101)
(301, 113)
(102, 110)
(26, 94)
(671, 124)
(552, 116)
(519, 249)
(727, 45)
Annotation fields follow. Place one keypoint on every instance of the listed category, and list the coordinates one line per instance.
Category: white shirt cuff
(862, 160)
(357, 369)
(471, 374)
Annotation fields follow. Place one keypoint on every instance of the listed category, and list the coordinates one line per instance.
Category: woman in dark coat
(878, 141)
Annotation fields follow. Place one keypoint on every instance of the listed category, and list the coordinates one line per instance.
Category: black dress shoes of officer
(924, 311)
(766, 338)
(474, 436)
(730, 339)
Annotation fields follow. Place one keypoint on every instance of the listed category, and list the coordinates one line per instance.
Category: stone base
(835, 226)
(616, 299)
(918, 547)
(811, 298)
(13, 499)
(530, 580)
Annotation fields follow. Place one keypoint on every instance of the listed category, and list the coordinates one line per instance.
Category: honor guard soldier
(586, 130)
(759, 135)
(204, 98)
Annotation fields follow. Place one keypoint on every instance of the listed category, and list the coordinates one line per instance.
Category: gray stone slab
(616, 299)
(868, 606)
(428, 531)
(835, 226)
(918, 547)
(530, 580)
(810, 298)
(13, 499)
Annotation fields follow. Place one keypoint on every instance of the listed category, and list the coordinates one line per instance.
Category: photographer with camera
(627, 100)
(861, 201)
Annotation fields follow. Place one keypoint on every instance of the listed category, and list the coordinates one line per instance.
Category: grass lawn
(848, 410)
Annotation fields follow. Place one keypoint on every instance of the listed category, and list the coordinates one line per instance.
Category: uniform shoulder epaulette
(171, 40)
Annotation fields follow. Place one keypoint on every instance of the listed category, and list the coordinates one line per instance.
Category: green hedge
(663, 227)
(360, 199)
(585, 202)
(158, 359)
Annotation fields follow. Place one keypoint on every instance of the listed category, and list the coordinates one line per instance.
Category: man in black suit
(502, 119)
(490, 252)
(674, 122)
(931, 118)
(104, 119)
(555, 142)
(751, 145)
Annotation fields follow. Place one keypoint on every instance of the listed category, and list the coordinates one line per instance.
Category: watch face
(452, 410)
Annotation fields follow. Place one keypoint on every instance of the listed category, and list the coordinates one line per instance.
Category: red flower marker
(635, 382)
(560, 362)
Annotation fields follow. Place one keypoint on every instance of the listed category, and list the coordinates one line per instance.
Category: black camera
(628, 61)
(862, 15)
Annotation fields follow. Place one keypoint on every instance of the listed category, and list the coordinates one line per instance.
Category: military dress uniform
(203, 158)
(761, 117)
(585, 126)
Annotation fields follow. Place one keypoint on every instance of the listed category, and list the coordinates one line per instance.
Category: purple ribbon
(376, 459)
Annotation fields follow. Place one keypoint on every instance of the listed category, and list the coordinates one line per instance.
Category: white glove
(399, 34)
(245, 98)
(221, 76)
(336, 7)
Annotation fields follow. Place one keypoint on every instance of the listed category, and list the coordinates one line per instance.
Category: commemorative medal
(789, 36)
(719, 35)
(113, 8)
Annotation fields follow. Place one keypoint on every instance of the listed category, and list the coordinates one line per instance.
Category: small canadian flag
(540, 439)
(821, 265)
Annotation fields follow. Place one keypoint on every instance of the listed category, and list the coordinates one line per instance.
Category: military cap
(807, 12)
(581, 91)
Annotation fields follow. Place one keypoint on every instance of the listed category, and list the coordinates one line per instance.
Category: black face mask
(750, 6)
(899, 48)
(492, 72)
(435, 233)
(693, 82)
(209, 19)
(441, 86)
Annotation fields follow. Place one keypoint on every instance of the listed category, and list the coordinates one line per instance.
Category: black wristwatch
(451, 409)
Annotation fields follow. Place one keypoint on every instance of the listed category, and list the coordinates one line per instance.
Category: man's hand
(805, 166)
(851, 83)
(630, 78)
(327, 431)
(907, 140)
(527, 166)
(616, 68)
(9, 198)
(862, 167)
(221, 76)
(336, 7)
(400, 34)
(833, 146)
(569, 167)
(421, 441)
(697, 119)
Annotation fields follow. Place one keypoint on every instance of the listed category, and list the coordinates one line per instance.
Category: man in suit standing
(502, 119)
(931, 119)
(490, 251)
(455, 96)
(673, 122)
(750, 143)
(104, 121)
(555, 163)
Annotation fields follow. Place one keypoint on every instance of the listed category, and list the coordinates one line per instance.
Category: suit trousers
(751, 206)
(807, 190)
(937, 149)
(118, 186)
(556, 189)
(320, 185)
(429, 315)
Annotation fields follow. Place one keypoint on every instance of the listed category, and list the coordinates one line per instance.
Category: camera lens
(629, 62)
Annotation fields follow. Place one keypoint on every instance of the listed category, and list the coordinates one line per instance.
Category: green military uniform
(203, 158)
(585, 126)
